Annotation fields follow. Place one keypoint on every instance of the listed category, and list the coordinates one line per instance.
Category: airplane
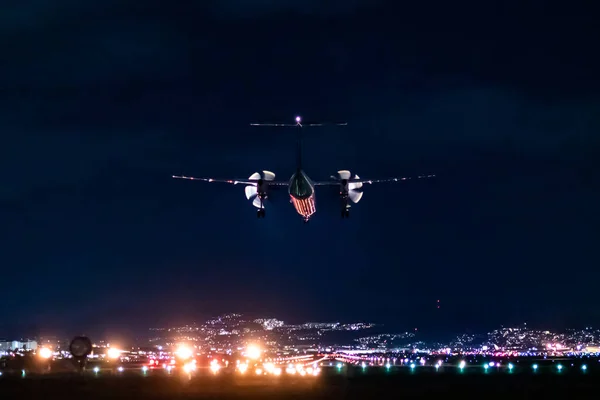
(301, 188)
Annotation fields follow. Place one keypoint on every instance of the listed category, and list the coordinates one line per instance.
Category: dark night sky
(102, 101)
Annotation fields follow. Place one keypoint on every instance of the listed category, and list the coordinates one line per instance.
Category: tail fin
(299, 149)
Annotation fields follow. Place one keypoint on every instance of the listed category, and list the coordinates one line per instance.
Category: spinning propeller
(349, 188)
(257, 192)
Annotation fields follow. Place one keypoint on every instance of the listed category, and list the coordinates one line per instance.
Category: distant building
(18, 345)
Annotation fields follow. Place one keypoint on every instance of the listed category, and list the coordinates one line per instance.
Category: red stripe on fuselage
(305, 207)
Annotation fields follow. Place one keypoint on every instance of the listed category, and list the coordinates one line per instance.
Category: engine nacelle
(349, 189)
(257, 191)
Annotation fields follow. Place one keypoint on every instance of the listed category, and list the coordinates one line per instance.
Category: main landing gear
(346, 213)
(260, 213)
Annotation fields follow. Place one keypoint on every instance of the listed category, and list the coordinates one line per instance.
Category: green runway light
(535, 367)
(559, 367)
(584, 367)
(510, 367)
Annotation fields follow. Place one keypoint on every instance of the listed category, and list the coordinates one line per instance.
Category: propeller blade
(250, 191)
(344, 174)
(256, 202)
(355, 185)
(355, 196)
(268, 176)
(255, 176)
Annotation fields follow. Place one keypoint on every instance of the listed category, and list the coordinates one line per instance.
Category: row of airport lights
(486, 366)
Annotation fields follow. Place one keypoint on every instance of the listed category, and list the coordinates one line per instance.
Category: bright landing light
(45, 353)
(113, 353)
(184, 352)
(253, 352)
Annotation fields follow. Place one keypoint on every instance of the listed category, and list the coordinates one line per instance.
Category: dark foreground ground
(446, 386)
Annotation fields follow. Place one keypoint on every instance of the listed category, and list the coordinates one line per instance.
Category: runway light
(96, 370)
(412, 366)
(364, 365)
(584, 367)
(510, 367)
(486, 366)
(259, 371)
(189, 367)
(535, 367)
(559, 367)
(144, 369)
(45, 353)
(269, 367)
(120, 369)
(462, 365)
(214, 366)
(339, 366)
(243, 368)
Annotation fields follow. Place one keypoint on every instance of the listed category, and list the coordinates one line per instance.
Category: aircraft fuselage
(302, 194)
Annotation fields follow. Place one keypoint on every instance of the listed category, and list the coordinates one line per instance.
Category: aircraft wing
(370, 181)
(231, 181)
